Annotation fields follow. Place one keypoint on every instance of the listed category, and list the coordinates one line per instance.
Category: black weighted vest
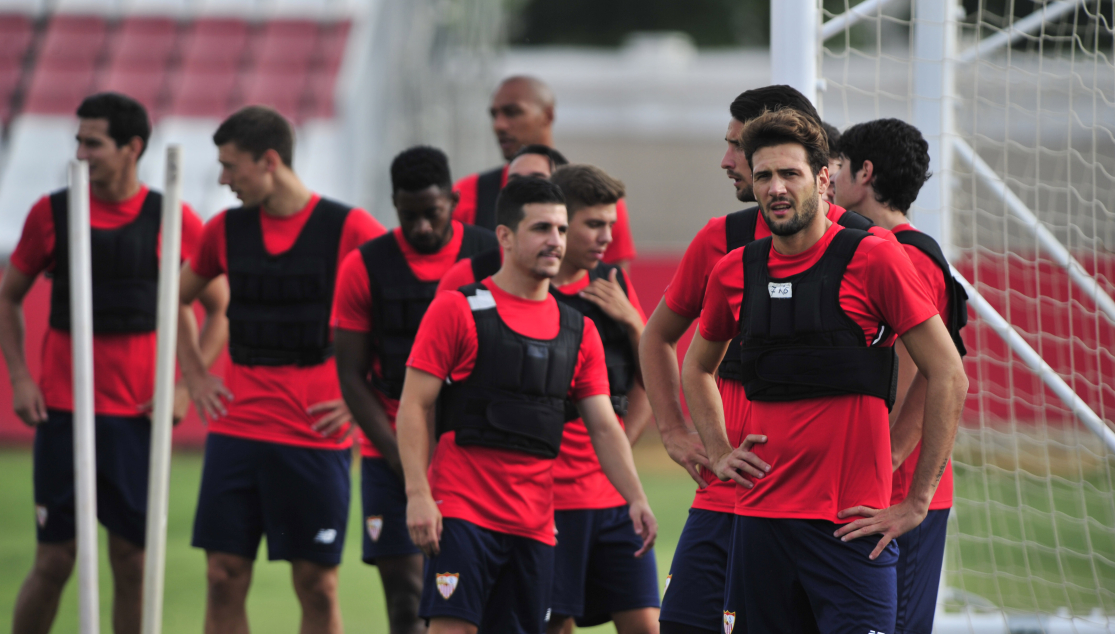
(400, 300)
(957, 296)
(487, 190)
(486, 264)
(739, 229)
(800, 343)
(618, 355)
(515, 396)
(125, 269)
(280, 304)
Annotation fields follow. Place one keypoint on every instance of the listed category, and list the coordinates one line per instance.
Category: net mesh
(1033, 523)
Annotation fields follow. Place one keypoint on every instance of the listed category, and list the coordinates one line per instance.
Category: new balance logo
(325, 536)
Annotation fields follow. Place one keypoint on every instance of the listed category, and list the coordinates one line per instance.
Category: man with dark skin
(522, 113)
(111, 137)
(389, 277)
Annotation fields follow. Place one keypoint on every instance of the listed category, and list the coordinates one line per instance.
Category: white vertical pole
(85, 457)
(934, 52)
(161, 422)
(794, 38)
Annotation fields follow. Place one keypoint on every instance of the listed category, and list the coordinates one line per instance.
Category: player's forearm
(616, 460)
(944, 400)
(706, 409)
(905, 433)
(214, 332)
(191, 361)
(369, 415)
(638, 413)
(414, 446)
(12, 338)
(658, 358)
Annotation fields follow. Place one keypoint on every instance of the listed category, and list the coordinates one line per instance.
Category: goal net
(1023, 135)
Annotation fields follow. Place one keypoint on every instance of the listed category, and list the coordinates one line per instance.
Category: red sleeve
(623, 245)
(633, 297)
(210, 259)
(720, 312)
(686, 291)
(35, 251)
(446, 343)
(895, 289)
(191, 231)
(352, 301)
(882, 233)
(359, 227)
(590, 378)
(465, 211)
(458, 275)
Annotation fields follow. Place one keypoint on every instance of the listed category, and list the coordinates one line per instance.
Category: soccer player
(597, 578)
(818, 306)
(383, 290)
(535, 160)
(503, 356)
(886, 162)
(693, 600)
(833, 135)
(277, 456)
(126, 219)
(522, 112)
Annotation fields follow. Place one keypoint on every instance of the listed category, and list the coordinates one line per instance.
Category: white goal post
(1017, 102)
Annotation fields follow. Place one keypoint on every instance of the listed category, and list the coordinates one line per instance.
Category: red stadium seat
(145, 86)
(331, 46)
(320, 96)
(285, 45)
(147, 25)
(284, 92)
(10, 73)
(16, 33)
(57, 91)
(214, 45)
(72, 43)
(141, 51)
(202, 94)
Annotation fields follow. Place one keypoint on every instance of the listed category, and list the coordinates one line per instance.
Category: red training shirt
(352, 301)
(831, 453)
(501, 490)
(904, 475)
(579, 482)
(621, 248)
(123, 363)
(684, 296)
(458, 275)
(269, 402)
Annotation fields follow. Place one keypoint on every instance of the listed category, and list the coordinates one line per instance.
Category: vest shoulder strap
(739, 228)
(853, 220)
(475, 241)
(958, 297)
(486, 264)
(487, 191)
(384, 259)
(604, 270)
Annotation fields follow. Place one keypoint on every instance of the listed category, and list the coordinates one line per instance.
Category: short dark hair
(776, 127)
(127, 118)
(586, 186)
(751, 103)
(899, 156)
(833, 134)
(524, 191)
(557, 159)
(420, 167)
(257, 129)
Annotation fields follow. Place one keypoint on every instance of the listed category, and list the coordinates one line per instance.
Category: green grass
(272, 606)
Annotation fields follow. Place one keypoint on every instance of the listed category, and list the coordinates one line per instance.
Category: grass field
(272, 606)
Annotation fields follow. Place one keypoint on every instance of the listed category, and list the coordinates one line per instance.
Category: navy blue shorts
(694, 592)
(790, 575)
(496, 581)
(297, 496)
(595, 571)
(123, 450)
(921, 552)
(385, 512)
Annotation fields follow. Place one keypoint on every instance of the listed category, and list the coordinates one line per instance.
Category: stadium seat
(147, 25)
(214, 45)
(331, 46)
(10, 73)
(285, 45)
(16, 33)
(320, 95)
(138, 49)
(282, 91)
(201, 94)
(57, 91)
(143, 85)
(72, 42)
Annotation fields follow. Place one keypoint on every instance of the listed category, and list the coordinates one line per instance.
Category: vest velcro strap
(811, 371)
(251, 356)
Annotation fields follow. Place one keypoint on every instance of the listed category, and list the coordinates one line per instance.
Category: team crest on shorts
(40, 515)
(668, 577)
(375, 526)
(447, 583)
(729, 622)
